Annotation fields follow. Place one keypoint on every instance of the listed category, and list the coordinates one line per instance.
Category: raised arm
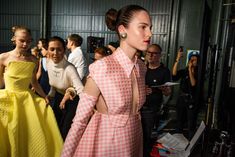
(175, 66)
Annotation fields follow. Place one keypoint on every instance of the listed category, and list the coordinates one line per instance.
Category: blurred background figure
(101, 52)
(42, 43)
(187, 106)
(35, 51)
(76, 57)
(42, 73)
(157, 74)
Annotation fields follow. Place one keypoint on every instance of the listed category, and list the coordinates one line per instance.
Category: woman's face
(39, 45)
(139, 31)
(56, 51)
(194, 61)
(23, 40)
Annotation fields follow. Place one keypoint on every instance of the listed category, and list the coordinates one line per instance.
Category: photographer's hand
(166, 90)
(148, 90)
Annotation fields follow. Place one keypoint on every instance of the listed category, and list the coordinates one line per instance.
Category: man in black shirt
(157, 74)
(186, 107)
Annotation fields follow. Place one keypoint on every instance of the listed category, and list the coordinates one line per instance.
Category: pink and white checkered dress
(118, 133)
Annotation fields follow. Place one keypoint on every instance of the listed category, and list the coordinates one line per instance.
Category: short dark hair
(77, 39)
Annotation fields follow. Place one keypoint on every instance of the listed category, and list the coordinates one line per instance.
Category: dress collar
(77, 48)
(126, 63)
(61, 64)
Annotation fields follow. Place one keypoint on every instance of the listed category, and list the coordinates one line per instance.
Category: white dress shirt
(77, 58)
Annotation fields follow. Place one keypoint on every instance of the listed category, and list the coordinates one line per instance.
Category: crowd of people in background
(110, 109)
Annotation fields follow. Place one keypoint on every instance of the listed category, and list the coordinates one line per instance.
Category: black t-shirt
(185, 85)
(156, 77)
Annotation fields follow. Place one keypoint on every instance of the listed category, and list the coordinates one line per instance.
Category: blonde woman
(27, 124)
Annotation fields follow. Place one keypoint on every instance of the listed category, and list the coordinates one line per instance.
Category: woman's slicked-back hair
(56, 38)
(114, 18)
(126, 14)
(14, 29)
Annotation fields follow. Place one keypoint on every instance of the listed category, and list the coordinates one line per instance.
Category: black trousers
(64, 117)
(186, 114)
(149, 119)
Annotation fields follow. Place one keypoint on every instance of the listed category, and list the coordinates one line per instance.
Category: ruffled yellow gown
(27, 126)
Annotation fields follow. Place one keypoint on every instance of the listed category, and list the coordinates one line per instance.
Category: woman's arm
(39, 72)
(175, 66)
(84, 112)
(2, 67)
(36, 85)
(76, 82)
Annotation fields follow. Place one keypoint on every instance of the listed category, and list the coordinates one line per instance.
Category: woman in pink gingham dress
(107, 121)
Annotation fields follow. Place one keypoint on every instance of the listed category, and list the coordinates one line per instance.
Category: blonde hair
(14, 29)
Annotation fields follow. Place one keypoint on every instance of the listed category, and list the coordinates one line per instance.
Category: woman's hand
(47, 100)
(67, 96)
(179, 55)
(190, 66)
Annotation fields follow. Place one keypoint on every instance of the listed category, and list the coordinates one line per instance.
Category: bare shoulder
(3, 57)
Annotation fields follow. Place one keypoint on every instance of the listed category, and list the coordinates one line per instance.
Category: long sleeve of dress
(75, 79)
(52, 92)
(80, 121)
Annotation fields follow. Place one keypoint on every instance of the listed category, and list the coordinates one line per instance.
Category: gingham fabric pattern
(118, 133)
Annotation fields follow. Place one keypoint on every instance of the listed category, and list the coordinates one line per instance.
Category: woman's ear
(121, 29)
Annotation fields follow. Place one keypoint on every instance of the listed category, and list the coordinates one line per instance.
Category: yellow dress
(27, 126)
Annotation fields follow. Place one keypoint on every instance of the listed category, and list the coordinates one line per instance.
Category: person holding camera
(186, 106)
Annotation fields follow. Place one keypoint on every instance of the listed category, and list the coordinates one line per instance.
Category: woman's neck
(129, 51)
(19, 54)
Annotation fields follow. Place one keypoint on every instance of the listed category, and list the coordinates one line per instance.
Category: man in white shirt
(76, 57)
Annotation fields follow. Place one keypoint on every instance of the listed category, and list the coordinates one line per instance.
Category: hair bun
(14, 28)
(110, 19)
